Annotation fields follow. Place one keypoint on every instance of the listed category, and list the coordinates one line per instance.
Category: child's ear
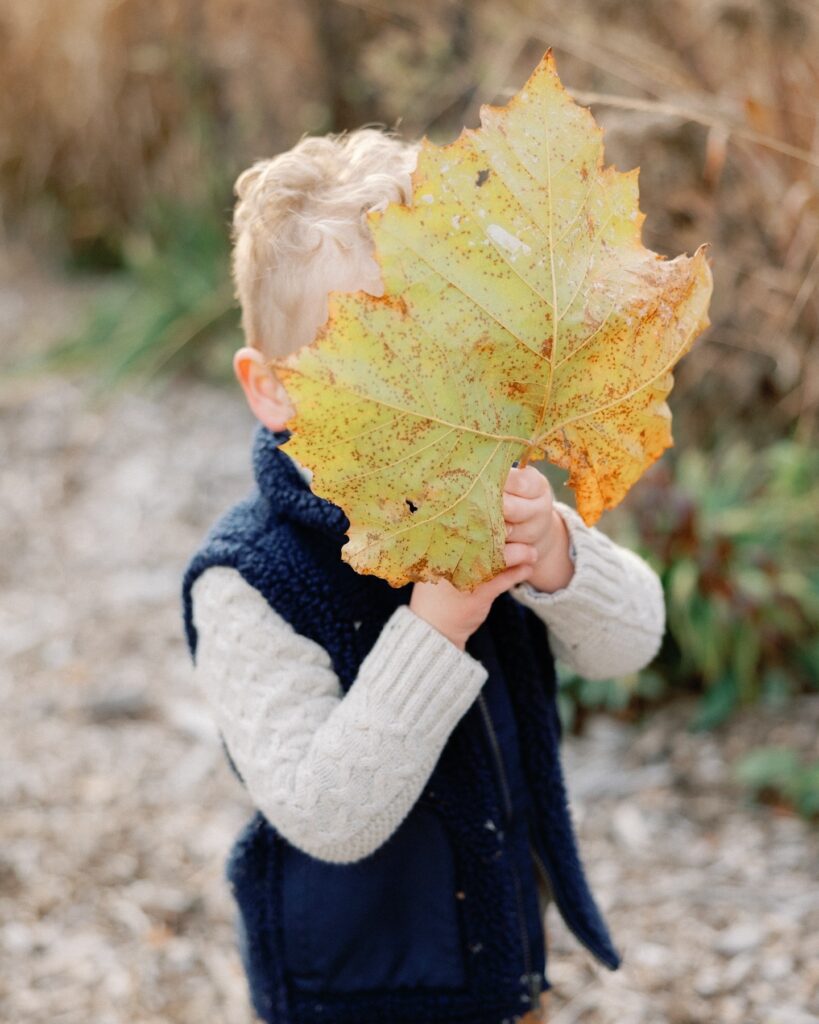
(265, 393)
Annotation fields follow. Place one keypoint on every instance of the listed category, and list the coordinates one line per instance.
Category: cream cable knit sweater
(336, 774)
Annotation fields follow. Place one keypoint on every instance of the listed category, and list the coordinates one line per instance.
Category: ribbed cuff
(598, 578)
(609, 582)
(418, 678)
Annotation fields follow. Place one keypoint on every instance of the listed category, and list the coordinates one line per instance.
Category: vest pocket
(389, 919)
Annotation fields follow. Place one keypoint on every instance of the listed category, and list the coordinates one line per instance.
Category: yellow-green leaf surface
(522, 318)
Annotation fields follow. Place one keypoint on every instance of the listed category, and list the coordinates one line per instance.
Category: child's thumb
(508, 578)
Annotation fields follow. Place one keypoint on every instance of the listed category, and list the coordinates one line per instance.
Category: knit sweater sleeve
(609, 620)
(335, 773)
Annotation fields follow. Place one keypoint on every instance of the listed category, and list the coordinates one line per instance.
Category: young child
(400, 745)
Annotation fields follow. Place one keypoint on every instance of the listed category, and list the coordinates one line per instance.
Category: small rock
(777, 968)
(739, 939)
(114, 707)
(629, 827)
(191, 718)
(736, 972)
(733, 1010)
(10, 881)
(651, 954)
(17, 938)
(790, 1015)
(708, 982)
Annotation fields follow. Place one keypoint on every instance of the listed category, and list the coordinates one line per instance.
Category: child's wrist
(454, 636)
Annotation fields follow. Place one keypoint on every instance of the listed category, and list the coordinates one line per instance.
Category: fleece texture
(441, 923)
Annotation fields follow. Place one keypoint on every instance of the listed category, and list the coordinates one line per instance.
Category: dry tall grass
(107, 103)
(718, 102)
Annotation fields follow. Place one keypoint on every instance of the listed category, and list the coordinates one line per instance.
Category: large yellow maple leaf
(522, 318)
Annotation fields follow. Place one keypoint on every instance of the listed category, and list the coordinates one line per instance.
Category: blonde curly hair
(300, 230)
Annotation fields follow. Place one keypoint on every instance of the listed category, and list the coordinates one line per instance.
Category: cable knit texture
(610, 619)
(337, 777)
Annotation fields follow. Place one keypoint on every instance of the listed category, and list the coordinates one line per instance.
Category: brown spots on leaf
(418, 570)
(455, 473)
(484, 346)
(437, 380)
(514, 388)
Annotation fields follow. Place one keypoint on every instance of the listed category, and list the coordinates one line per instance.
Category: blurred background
(695, 785)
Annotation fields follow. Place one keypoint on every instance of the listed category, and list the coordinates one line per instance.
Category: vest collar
(282, 484)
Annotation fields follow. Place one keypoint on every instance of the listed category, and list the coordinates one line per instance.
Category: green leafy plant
(775, 774)
(170, 307)
(733, 534)
(624, 698)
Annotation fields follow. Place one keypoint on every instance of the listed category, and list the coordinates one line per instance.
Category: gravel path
(118, 808)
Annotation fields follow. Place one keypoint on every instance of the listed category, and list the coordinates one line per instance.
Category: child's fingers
(518, 510)
(528, 532)
(527, 482)
(516, 553)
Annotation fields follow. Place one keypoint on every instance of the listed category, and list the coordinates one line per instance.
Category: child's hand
(456, 613)
(537, 549)
(534, 524)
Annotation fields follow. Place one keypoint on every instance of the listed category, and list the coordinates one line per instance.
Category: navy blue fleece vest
(441, 923)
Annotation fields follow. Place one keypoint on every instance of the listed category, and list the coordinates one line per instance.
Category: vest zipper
(547, 882)
(564, 910)
(532, 979)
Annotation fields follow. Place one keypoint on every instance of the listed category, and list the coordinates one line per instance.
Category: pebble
(739, 939)
(630, 828)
